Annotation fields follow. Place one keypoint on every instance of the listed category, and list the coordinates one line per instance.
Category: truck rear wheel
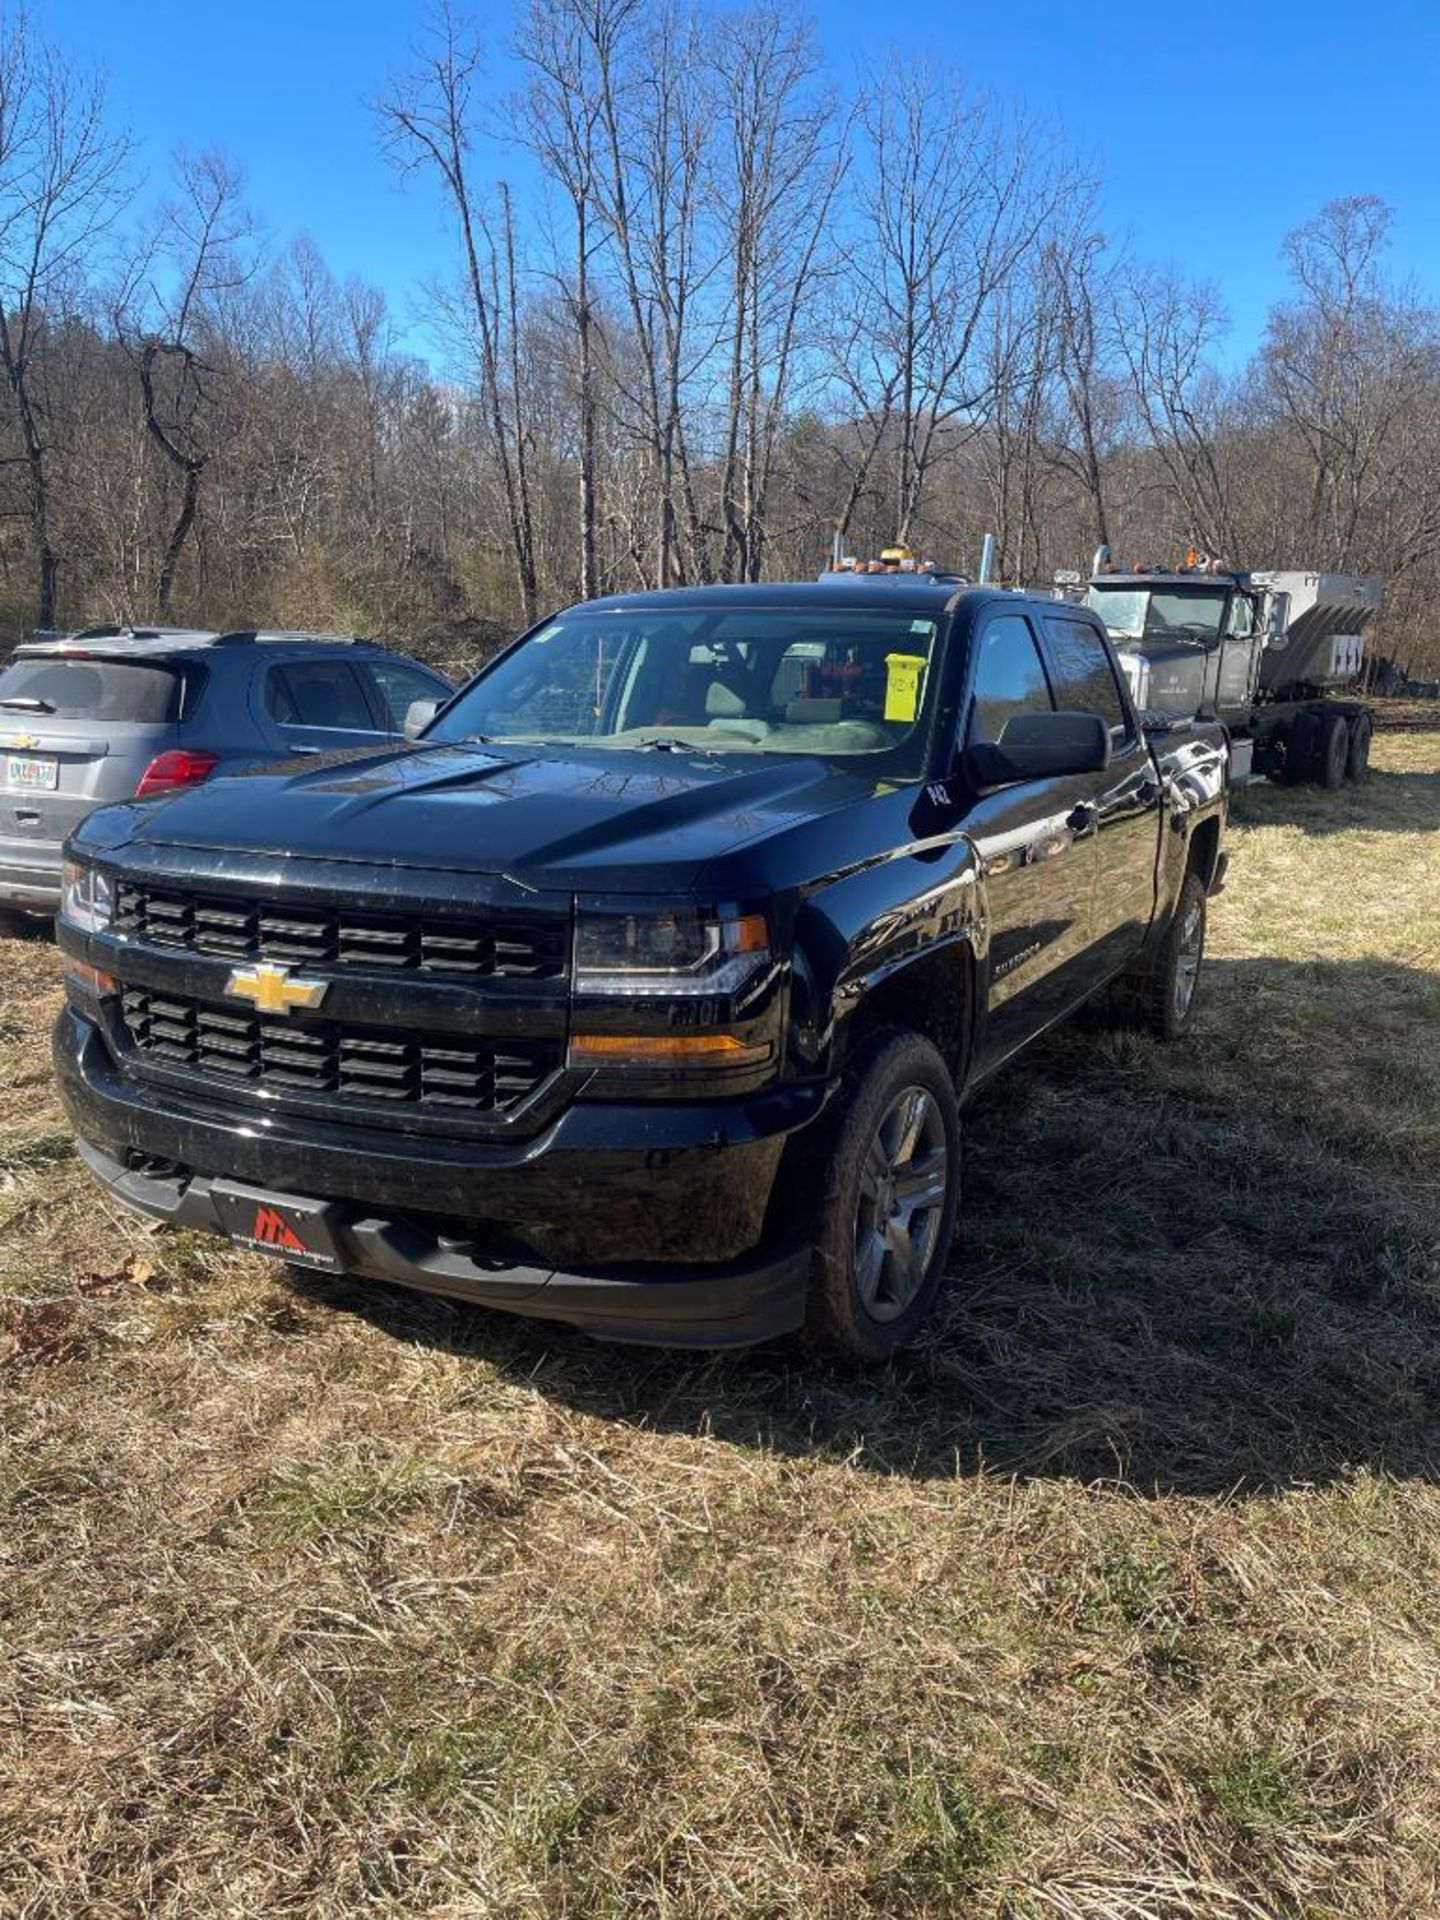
(888, 1201)
(1358, 765)
(1333, 751)
(1161, 995)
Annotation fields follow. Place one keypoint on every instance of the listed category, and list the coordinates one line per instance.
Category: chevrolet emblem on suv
(274, 989)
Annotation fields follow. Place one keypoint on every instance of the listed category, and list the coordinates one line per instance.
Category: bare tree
(778, 166)
(1083, 293)
(61, 168)
(1167, 327)
(954, 193)
(561, 114)
(429, 120)
(195, 252)
(655, 123)
(1348, 370)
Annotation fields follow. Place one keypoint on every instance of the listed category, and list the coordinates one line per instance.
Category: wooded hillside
(708, 304)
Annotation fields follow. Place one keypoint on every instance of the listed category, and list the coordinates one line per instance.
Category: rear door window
(115, 690)
(318, 693)
(1085, 681)
(1009, 678)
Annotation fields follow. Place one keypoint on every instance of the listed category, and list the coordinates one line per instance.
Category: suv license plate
(298, 1231)
(27, 772)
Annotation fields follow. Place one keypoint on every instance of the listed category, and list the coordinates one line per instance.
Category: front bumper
(640, 1223)
(734, 1304)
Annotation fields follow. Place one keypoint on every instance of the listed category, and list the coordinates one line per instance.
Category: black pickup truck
(642, 990)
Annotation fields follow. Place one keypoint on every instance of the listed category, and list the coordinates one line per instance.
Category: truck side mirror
(418, 716)
(1040, 746)
(1277, 619)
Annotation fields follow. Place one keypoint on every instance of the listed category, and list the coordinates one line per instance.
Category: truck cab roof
(1168, 577)
(932, 593)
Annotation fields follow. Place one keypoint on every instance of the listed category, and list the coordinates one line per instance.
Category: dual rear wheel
(1334, 748)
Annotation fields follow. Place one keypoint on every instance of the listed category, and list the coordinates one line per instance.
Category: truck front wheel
(1358, 765)
(1333, 753)
(887, 1206)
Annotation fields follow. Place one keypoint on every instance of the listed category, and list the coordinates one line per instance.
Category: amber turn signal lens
(749, 934)
(90, 980)
(664, 1050)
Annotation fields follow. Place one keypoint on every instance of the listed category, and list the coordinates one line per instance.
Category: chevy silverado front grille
(235, 928)
(439, 1071)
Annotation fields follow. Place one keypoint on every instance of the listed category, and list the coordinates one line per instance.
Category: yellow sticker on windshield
(902, 684)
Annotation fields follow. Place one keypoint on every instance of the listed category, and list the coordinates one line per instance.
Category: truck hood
(545, 816)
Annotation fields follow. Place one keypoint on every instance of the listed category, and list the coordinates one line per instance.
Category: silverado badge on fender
(274, 989)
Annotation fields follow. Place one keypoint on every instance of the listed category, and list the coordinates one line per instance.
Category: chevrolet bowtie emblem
(275, 989)
(25, 740)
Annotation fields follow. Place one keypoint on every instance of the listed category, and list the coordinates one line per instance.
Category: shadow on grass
(1387, 803)
(1201, 1268)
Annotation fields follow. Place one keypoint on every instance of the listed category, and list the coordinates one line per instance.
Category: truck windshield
(1146, 613)
(828, 682)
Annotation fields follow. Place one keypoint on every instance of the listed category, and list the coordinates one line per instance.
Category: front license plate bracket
(281, 1225)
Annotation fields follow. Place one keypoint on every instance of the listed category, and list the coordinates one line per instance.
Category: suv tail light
(175, 768)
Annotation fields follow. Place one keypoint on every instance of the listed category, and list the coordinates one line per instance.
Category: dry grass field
(1119, 1599)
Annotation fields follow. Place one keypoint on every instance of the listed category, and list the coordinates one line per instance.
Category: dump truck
(1272, 655)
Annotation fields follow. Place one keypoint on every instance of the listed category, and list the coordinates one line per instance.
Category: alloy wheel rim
(1187, 960)
(904, 1179)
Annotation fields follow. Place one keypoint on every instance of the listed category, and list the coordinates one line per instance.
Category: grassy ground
(1118, 1599)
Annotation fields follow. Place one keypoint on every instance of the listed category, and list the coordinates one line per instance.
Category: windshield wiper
(27, 702)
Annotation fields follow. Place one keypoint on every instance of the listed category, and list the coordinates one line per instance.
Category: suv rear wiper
(28, 702)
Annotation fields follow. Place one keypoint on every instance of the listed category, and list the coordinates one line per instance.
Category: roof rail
(117, 639)
(283, 636)
(112, 630)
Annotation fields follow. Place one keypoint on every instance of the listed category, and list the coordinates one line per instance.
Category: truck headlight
(86, 897)
(669, 953)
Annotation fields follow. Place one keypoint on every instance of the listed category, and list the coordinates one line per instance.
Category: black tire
(1160, 998)
(1357, 766)
(16, 924)
(1299, 750)
(888, 1200)
(1333, 753)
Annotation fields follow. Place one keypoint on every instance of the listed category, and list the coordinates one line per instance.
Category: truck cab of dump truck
(1268, 654)
(1189, 639)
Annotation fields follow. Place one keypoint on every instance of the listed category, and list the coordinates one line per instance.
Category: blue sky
(1216, 129)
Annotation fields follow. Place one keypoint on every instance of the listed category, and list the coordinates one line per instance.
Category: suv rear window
(148, 693)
